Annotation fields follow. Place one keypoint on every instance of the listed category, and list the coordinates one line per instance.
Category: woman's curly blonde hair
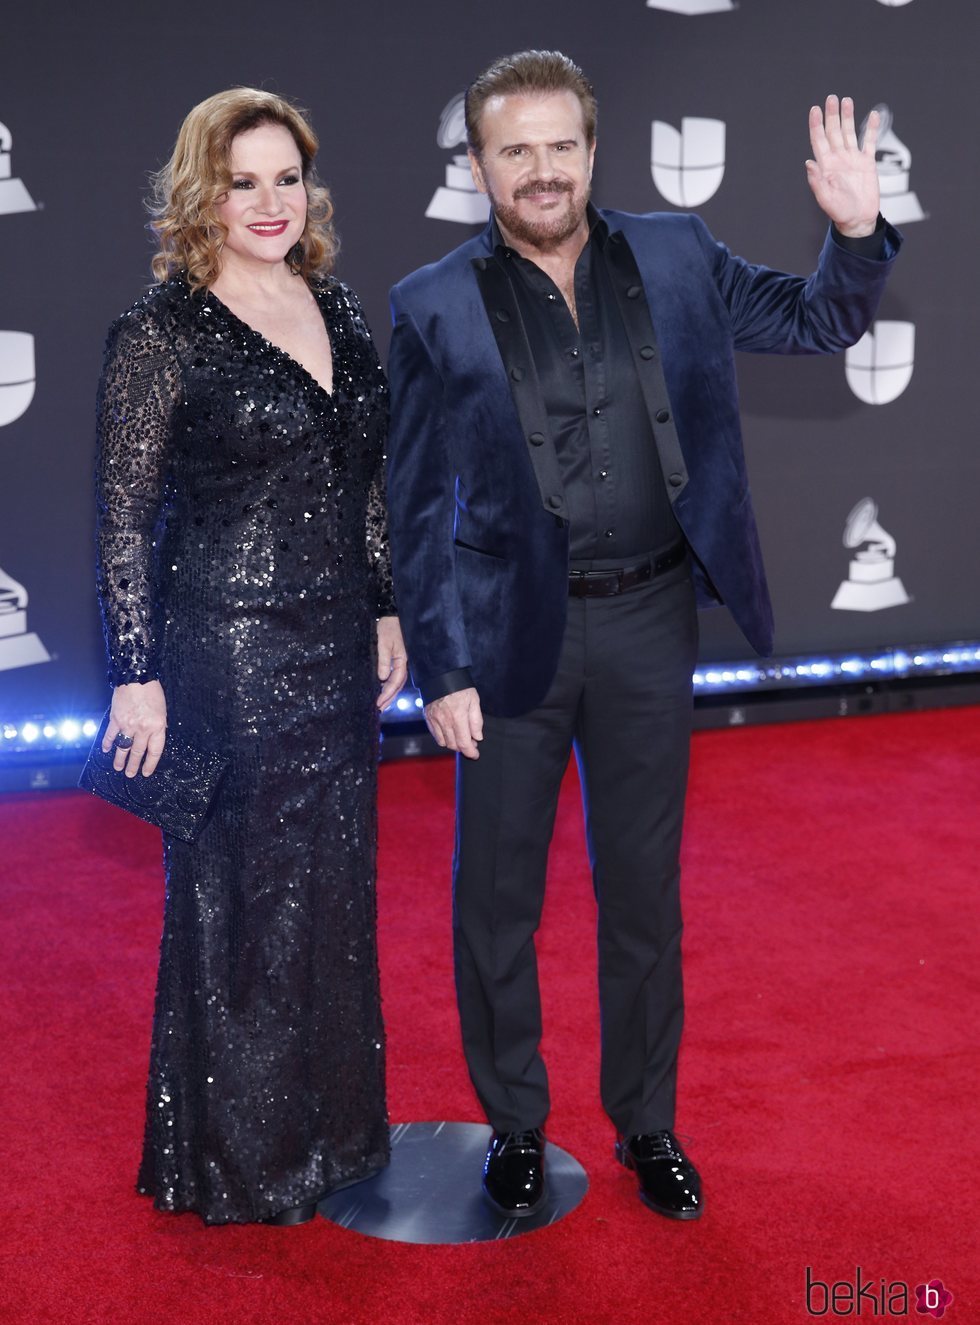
(185, 191)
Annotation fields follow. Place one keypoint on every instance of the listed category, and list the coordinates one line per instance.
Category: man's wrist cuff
(867, 246)
(448, 683)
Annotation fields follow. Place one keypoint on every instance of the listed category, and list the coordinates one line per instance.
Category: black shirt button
(574, 354)
(502, 315)
(663, 415)
(647, 351)
(609, 533)
(603, 473)
(517, 374)
(536, 439)
(552, 297)
(554, 501)
(634, 292)
(676, 480)
(597, 411)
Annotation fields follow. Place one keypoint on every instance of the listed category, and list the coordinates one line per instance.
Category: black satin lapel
(641, 333)
(522, 378)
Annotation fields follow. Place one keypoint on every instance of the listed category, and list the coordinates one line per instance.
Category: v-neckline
(284, 354)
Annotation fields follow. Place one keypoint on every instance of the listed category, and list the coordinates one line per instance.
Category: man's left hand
(392, 659)
(842, 175)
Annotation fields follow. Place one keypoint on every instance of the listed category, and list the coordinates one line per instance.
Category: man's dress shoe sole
(523, 1213)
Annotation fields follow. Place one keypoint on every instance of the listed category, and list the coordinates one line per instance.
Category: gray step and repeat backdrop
(864, 467)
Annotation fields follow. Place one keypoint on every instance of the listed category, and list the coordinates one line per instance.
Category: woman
(244, 583)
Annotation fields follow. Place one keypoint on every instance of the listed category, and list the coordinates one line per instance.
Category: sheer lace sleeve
(138, 391)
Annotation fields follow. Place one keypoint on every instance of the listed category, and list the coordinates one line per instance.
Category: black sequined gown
(242, 561)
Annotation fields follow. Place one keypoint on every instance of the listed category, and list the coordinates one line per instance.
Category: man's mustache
(542, 186)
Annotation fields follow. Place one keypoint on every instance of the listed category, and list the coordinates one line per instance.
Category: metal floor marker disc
(430, 1192)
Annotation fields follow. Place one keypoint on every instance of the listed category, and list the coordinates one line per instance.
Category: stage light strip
(843, 668)
(47, 734)
(36, 735)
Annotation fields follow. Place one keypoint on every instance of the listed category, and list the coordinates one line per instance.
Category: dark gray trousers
(622, 697)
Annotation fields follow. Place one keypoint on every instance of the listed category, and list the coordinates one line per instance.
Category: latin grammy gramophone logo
(899, 204)
(871, 583)
(13, 195)
(457, 199)
(16, 374)
(894, 3)
(692, 7)
(879, 366)
(18, 646)
(688, 164)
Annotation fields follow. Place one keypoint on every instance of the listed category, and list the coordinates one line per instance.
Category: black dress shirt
(614, 487)
(606, 449)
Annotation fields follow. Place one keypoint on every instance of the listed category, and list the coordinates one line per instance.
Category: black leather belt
(606, 583)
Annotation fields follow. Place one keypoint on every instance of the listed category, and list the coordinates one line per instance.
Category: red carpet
(828, 1082)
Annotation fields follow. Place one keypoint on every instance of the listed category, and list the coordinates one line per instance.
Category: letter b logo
(817, 1296)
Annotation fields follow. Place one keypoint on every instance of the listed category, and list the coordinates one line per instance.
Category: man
(566, 476)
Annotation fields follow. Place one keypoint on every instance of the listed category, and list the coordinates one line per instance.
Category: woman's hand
(138, 714)
(392, 659)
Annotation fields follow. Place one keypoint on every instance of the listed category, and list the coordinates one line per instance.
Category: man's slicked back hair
(528, 73)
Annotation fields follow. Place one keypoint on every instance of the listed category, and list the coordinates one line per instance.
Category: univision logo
(688, 164)
(16, 347)
(697, 6)
(16, 374)
(879, 367)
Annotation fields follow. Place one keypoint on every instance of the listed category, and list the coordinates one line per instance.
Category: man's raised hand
(842, 174)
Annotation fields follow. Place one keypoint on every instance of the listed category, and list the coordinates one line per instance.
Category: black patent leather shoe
(513, 1174)
(293, 1214)
(669, 1182)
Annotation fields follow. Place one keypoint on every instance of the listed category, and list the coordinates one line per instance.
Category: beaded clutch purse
(176, 797)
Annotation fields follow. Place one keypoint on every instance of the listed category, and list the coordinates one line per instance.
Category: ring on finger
(124, 742)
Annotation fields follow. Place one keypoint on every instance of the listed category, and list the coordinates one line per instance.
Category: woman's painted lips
(272, 228)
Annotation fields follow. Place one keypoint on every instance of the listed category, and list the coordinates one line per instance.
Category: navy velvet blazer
(477, 513)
